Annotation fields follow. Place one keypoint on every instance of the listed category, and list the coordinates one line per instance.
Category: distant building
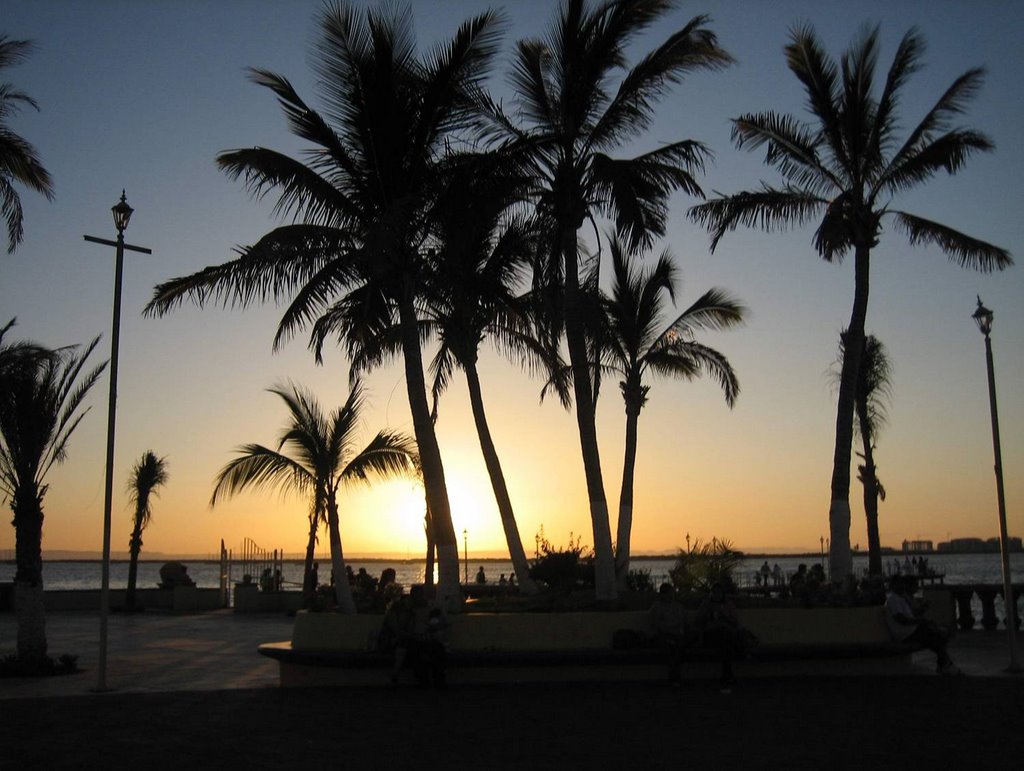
(915, 546)
(979, 546)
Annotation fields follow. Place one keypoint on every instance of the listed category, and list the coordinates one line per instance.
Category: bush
(704, 565)
(12, 666)
(563, 568)
(640, 581)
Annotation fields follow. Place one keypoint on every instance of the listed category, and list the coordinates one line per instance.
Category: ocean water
(958, 569)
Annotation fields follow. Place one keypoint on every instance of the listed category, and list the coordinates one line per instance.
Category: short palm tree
(19, 162)
(846, 166)
(579, 100)
(874, 391)
(41, 404)
(635, 343)
(361, 201)
(149, 473)
(321, 459)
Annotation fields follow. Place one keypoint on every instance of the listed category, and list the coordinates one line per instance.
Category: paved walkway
(190, 692)
(159, 652)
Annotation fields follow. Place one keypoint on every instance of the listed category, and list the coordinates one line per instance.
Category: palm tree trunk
(28, 578)
(448, 591)
(604, 562)
(134, 547)
(428, 568)
(840, 558)
(501, 496)
(870, 482)
(342, 590)
(307, 566)
(625, 525)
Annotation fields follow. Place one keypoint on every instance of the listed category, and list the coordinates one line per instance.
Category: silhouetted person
(721, 631)
(668, 625)
(481, 578)
(314, 576)
(907, 625)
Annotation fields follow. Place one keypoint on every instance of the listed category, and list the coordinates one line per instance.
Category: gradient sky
(144, 95)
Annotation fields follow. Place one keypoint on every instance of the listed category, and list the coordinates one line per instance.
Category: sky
(142, 96)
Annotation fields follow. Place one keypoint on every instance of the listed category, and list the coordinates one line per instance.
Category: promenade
(190, 691)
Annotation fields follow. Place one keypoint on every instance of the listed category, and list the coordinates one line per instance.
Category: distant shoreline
(485, 560)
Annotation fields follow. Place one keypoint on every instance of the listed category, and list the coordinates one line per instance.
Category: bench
(332, 649)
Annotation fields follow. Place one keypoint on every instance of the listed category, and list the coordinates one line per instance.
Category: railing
(262, 567)
(963, 599)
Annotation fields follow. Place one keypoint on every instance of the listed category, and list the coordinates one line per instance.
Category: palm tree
(481, 251)
(149, 473)
(13, 356)
(846, 166)
(18, 160)
(579, 99)
(874, 390)
(41, 405)
(320, 461)
(482, 258)
(361, 204)
(634, 346)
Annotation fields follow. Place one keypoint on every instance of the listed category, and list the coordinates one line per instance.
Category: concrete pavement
(157, 652)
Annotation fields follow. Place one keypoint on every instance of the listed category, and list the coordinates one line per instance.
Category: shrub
(704, 565)
(563, 568)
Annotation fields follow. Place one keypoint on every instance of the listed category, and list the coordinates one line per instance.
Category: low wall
(182, 599)
(593, 631)
(249, 599)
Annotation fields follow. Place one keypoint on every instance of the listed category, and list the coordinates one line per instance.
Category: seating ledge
(352, 659)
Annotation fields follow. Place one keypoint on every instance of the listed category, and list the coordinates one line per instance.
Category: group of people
(715, 626)
(481, 578)
(414, 633)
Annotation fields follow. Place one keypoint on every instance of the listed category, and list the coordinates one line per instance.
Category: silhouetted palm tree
(362, 201)
(149, 473)
(874, 390)
(41, 405)
(846, 167)
(18, 160)
(321, 459)
(635, 343)
(579, 99)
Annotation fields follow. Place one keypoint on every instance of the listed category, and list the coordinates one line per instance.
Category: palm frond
(965, 251)
(260, 467)
(278, 264)
(637, 190)
(769, 208)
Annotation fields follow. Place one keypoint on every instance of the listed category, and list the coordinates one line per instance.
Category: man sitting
(906, 625)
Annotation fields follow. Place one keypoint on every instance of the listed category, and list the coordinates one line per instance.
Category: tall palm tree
(149, 473)
(846, 166)
(636, 344)
(579, 99)
(481, 247)
(361, 203)
(874, 390)
(41, 405)
(321, 459)
(19, 162)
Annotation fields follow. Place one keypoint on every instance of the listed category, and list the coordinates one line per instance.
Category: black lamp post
(983, 318)
(122, 214)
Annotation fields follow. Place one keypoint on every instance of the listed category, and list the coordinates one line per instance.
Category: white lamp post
(122, 214)
(983, 318)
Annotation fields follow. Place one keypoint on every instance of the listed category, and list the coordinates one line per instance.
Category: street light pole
(983, 317)
(122, 214)
(465, 556)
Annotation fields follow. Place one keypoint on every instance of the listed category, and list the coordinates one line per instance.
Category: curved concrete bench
(333, 649)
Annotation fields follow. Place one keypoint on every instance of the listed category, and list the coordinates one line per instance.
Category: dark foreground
(891, 722)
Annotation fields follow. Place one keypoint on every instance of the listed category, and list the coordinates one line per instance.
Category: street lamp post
(122, 214)
(465, 556)
(983, 318)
